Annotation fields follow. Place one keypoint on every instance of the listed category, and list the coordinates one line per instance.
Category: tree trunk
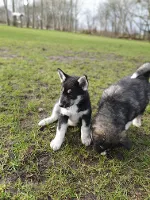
(75, 16)
(71, 16)
(14, 17)
(28, 19)
(33, 15)
(47, 15)
(26, 11)
(21, 21)
(41, 14)
(64, 24)
(53, 14)
(6, 11)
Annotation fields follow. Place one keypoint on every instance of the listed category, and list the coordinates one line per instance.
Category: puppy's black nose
(61, 105)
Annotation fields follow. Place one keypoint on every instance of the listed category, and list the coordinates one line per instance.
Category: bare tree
(41, 22)
(115, 16)
(6, 11)
(27, 13)
(88, 18)
(143, 13)
(77, 7)
(14, 16)
(103, 16)
(71, 16)
(47, 14)
(33, 14)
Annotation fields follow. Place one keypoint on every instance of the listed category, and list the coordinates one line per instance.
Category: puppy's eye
(69, 91)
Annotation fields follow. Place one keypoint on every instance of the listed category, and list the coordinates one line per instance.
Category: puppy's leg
(128, 125)
(104, 153)
(60, 133)
(137, 121)
(85, 130)
(52, 118)
(124, 140)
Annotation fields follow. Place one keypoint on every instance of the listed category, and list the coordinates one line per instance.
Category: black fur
(63, 119)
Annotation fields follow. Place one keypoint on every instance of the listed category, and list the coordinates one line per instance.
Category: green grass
(29, 169)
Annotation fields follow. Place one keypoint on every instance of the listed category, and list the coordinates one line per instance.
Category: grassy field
(29, 87)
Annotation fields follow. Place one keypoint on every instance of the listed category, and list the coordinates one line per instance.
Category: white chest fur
(73, 114)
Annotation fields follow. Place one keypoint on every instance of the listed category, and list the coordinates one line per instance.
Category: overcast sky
(86, 4)
(90, 4)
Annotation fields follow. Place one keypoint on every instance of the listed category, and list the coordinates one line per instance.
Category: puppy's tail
(144, 70)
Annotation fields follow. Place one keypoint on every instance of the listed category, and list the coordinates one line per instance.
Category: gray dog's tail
(144, 70)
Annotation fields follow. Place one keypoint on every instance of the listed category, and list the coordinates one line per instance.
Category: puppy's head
(101, 144)
(73, 88)
(104, 137)
(99, 140)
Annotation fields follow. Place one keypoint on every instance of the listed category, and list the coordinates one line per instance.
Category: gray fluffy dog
(121, 105)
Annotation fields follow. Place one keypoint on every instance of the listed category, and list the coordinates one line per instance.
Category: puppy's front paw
(137, 122)
(104, 153)
(86, 140)
(55, 144)
(42, 122)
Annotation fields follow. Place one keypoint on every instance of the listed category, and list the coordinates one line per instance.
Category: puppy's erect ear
(62, 75)
(83, 82)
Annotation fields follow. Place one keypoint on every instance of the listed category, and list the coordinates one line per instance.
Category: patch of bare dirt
(27, 123)
(64, 59)
(6, 54)
(43, 160)
(80, 56)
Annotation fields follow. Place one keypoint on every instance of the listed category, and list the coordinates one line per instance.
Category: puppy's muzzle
(63, 105)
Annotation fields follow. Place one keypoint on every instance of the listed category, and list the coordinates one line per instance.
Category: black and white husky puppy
(121, 105)
(73, 107)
